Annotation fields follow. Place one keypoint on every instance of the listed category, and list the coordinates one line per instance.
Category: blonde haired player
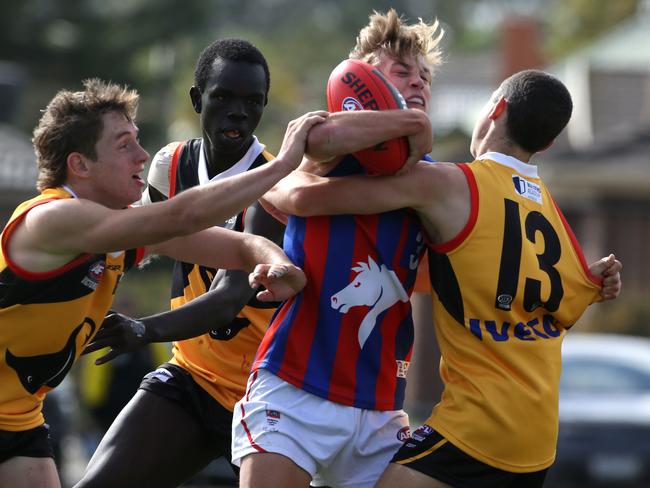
(325, 402)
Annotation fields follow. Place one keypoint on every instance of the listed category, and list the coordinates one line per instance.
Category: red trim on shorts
(257, 447)
(243, 414)
(452, 244)
(248, 390)
(32, 275)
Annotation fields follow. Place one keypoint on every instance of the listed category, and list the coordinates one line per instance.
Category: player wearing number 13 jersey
(509, 280)
(501, 312)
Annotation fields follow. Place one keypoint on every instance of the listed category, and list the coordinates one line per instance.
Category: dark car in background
(604, 438)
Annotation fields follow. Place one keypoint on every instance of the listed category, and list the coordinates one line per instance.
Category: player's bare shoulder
(441, 188)
(439, 177)
(161, 162)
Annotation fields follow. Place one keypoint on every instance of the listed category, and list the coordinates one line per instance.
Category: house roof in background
(623, 169)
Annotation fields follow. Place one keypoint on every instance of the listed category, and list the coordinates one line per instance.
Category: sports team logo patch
(374, 284)
(273, 417)
(422, 432)
(504, 301)
(350, 104)
(402, 368)
(527, 189)
(403, 434)
(94, 275)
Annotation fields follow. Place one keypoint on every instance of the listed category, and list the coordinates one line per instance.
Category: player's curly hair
(72, 122)
(387, 33)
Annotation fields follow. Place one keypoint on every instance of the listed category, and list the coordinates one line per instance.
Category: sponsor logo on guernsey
(351, 104)
(403, 434)
(94, 275)
(527, 189)
(536, 329)
(231, 220)
(402, 368)
(504, 301)
(161, 374)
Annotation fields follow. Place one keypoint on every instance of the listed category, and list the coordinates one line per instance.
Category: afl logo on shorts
(403, 434)
(350, 104)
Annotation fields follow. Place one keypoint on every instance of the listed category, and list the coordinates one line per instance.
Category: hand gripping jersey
(46, 319)
(348, 335)
(219, 361)
(506, 290)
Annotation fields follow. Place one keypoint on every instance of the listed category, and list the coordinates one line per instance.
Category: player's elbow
(301, 202)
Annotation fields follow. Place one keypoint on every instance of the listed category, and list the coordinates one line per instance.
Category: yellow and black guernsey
(220, 360)
(506, 289)
(46, 319)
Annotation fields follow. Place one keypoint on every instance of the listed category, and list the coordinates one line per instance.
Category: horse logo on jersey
(374, 286)
(48, 369)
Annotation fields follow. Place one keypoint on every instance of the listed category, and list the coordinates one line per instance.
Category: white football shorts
(336, 444)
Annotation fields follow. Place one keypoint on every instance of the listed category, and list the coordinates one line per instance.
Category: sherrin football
(357, 85)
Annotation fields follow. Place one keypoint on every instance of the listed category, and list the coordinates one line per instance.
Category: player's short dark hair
(539, 107)
(233, 50)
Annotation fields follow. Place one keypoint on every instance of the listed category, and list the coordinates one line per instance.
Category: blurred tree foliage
(573, 23)
(152, 45)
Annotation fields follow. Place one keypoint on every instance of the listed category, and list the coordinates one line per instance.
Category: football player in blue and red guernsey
(325, 396)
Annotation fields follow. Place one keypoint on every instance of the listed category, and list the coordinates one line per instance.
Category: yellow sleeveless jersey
(506, 290)
(219, 362)
(46, 319)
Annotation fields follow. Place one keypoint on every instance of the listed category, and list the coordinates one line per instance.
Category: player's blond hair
(72, 122)
(387, 33)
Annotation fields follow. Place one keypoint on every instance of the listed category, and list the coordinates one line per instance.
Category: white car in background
(604, 438)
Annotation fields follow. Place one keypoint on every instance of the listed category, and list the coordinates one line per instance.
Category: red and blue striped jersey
(348, 335)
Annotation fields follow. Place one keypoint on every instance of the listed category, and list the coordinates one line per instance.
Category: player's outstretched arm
(53, 234)
(214, 310)
(305, 194)
(122, 334)
(221, 248)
